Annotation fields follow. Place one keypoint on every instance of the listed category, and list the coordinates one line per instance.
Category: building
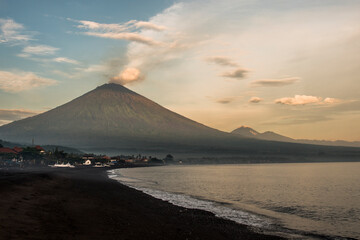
(5, 150)
(18, 149)
(40, 149)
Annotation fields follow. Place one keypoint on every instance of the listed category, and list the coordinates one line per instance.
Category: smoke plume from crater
(128, 75)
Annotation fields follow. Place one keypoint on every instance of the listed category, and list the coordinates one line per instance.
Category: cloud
(224, 61)
(126, 31)
(126, 76)
(237, 73)
(296, 120)
(17, 82)
(225, 100)
(126, 36)
(8, 115)
(65, 74)
(304, 100)
(93, 68)
(116, 27)
(65, 60)
(255, 100)
(332, 100)
(185, 38)
(275, 82)
(39, 50)
(10, 32)
(149, 25)
(103, 26)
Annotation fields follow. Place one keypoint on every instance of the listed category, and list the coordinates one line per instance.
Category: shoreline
(87, 204)
(259, 223)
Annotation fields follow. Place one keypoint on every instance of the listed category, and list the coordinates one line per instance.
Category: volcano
(113, 119)
(110, 116)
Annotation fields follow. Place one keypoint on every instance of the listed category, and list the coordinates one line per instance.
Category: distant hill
(61, 148)
(10, 144)
(272, 136)
(46, 147)
(330, 143)
(246, 132)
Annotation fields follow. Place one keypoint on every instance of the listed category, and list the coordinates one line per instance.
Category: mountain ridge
(245, 131)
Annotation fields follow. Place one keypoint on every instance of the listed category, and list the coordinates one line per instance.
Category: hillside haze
(248, 132)
(108, 116)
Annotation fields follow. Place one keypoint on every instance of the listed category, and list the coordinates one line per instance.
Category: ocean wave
(190, 202)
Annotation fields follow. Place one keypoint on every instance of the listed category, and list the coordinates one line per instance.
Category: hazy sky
(292, 67)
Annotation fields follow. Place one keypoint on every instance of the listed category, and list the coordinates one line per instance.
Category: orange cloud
(255, 100)
(304, 100)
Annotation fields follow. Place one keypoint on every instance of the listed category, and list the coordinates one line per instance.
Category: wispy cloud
(93, 68)
(255, 100)
(305, 100)
(65, 74)
(65, 60)
(331, 100)
(126, 31)
(238, 73)
(275, 82)
(225, 100)
(118, 27)
(220, 60)
(17, 82)
(12, 32)
(149, 25)
(103, 26)
(296, 120)
(39, 50)
(8, 115)
(125, 36)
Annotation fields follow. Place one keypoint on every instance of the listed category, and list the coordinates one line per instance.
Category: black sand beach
(86, 204)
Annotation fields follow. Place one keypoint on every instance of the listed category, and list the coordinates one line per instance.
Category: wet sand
(86, 204)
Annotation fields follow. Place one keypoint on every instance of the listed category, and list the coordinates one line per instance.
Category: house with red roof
(5, 150)
(18, 149)
(40, 149)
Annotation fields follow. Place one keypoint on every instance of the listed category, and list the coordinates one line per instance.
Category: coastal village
(37, 156)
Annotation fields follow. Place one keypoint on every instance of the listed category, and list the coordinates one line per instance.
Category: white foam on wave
(189, 202)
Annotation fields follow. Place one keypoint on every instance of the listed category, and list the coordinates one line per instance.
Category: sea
(294, 200)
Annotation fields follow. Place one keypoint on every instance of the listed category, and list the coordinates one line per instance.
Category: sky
(292, 67)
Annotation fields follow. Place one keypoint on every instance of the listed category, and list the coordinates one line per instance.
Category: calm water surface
(316, 198)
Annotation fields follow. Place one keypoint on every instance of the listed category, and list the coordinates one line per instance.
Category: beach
(86, 204)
